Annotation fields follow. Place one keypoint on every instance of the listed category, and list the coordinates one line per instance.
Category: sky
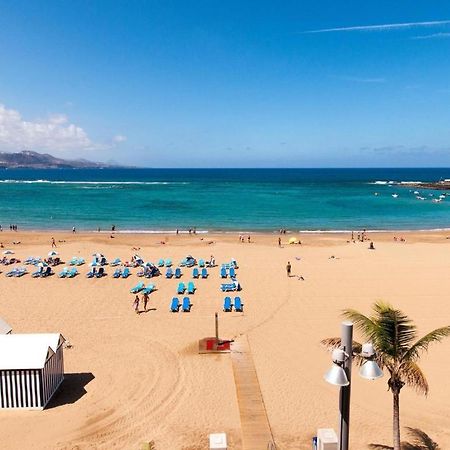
(228, 84)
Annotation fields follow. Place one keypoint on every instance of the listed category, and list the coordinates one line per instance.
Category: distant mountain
(33, 160)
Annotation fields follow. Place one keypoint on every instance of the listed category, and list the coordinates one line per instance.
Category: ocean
(246, 200)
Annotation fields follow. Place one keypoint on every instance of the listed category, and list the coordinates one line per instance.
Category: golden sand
(136, 378)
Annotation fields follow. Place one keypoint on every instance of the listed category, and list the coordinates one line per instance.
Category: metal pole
(217, 327)
(344, 395)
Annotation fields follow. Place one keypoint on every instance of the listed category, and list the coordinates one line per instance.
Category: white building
(31, 369)
(4, 327)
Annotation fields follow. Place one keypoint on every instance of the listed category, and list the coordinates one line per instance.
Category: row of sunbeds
(224, 272)
(186, 306)
(177, 273)
(237, 304)
(140, 288)
(190, 288)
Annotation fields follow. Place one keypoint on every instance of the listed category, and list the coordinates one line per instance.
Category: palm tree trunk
(396, 416)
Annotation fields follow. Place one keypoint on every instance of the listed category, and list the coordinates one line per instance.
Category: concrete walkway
(256, 432)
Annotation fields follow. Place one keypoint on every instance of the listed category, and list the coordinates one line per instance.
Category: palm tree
(393, 336)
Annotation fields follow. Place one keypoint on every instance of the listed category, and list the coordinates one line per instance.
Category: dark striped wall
(32, 388)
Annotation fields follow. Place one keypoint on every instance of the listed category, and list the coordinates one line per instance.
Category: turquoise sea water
(220, 199)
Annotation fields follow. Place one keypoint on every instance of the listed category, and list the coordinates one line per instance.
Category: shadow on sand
(419, 441)
(71, 389)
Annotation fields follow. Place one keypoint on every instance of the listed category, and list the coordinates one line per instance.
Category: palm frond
(395, 334)
(381, 447)
(367, 326)
(333, 343)
(423, 343)
(411, 374)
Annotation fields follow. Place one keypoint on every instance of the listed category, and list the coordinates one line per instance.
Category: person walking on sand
(288, 269)
(136, 304)
(145, 299)
(279, 242)
(53, 243)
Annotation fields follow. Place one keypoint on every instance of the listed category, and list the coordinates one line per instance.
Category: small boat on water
(395, 195)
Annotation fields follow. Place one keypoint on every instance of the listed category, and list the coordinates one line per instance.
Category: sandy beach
(136, 378)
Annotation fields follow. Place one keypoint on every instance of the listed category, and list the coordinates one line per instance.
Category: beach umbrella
(8, 252)
(293, 240)
(52, 253)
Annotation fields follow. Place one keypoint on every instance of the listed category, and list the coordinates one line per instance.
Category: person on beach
(288, 269)
(136, 304)
(371, 247)
(248, 239)
(73, 230)
(279, 242)
(53, 243)
(145, 300)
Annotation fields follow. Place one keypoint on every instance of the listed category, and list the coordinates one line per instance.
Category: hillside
(34, 160)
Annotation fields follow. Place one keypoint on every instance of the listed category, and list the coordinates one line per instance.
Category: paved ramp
(256, 432)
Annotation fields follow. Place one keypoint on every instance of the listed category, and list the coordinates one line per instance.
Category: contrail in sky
(383, 27)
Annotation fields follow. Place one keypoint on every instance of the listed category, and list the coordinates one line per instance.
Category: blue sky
(228, 84)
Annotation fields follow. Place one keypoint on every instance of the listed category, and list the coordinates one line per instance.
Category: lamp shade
(337, 376)
(370, 371)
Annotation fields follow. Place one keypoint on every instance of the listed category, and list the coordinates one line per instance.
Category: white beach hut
(4, 327)
(31, 369)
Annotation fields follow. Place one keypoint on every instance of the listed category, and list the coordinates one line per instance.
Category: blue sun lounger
(100, 273)
(72, 273)
(116, 262)
(186, 304)
(223, 272)
(73, 261)
(91, 273)
(227, 304)
(117, 273)
(137, 288)
(175, 306)
(169, 272)
(178, 272)
(181, 288)
(232, 272)
(63, 272)
(183, 262)
(12, 273)
(148, 289)
(195, 273)
(126, 272)
(38, 273)
(191, 287)
(161, 263)
(168, 262)
(204, 273)
(226, 287)
(201, 263)
(238, 305)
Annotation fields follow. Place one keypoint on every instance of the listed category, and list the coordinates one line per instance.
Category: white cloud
(54, 133)
(382, 27)
(119, 138)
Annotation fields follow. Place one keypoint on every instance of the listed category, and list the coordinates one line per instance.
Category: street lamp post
(344, 394)
(340, 375)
